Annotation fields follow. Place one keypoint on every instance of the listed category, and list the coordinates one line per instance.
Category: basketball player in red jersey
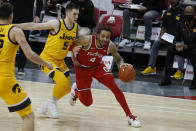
(88, 63)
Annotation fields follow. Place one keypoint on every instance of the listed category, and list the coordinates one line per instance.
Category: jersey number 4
(93, 59)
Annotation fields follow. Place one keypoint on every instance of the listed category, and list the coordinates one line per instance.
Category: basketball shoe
(44, 109)
(49, 109)
(149, 71)
(73, 97)
(133, 121)
(178, 75)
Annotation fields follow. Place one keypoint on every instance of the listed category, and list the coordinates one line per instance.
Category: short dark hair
(106, 28)
(6, 9)
(71, 6)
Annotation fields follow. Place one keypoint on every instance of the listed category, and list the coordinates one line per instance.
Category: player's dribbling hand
(125, 65)
(49, 66)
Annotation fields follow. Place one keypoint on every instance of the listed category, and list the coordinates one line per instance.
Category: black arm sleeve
(62, 10)
(39, 5)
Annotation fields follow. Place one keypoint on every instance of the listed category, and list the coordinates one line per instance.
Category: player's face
(104, 37)
(73, 15)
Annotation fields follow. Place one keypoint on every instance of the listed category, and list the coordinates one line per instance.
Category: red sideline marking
(184, 97)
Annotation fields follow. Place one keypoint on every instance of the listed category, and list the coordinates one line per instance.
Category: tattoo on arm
(116, 55)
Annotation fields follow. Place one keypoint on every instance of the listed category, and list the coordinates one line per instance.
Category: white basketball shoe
(49, 109)
(133, 121)
(52, 109)
(44, 109)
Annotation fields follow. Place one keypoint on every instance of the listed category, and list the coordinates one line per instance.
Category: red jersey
(93, 55)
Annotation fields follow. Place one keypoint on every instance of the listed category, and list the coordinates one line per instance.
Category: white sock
(52, 99)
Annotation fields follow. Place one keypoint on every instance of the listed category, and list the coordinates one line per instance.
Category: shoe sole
(154, 73)
(134, 126)
(176, 78)
(20, 77)
(53, 117)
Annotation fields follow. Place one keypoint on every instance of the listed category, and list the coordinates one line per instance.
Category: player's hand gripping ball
(126, 73)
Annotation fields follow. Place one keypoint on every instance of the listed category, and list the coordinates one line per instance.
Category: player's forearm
(119, 61)
(36, 59)
(28, 26)
(74, 59)
(73, 56)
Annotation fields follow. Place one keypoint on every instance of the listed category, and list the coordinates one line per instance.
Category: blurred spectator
(150, 9)
(186, 33)
(51, 8)
(1, 1)
(23, 12)
(171, 19)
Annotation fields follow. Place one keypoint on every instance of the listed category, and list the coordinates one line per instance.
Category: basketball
(126, 74)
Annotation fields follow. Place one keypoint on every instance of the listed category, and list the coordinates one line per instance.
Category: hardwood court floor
(156, 113)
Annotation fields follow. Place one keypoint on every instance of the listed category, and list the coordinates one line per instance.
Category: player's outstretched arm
(17, 35)
(50, 25)
(119, 60)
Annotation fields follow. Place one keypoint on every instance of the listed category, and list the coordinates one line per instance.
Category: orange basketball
(126, 74)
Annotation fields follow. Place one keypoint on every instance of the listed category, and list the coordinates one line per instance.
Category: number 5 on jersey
(65, 45)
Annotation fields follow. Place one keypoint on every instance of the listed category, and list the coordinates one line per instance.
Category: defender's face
(73, 15)
(104, 37)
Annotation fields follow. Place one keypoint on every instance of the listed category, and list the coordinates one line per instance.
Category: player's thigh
(104, 75)
(83, 82)
(14, 96)
(83, 78)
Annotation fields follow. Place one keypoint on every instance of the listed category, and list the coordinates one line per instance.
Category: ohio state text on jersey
(93, 55)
